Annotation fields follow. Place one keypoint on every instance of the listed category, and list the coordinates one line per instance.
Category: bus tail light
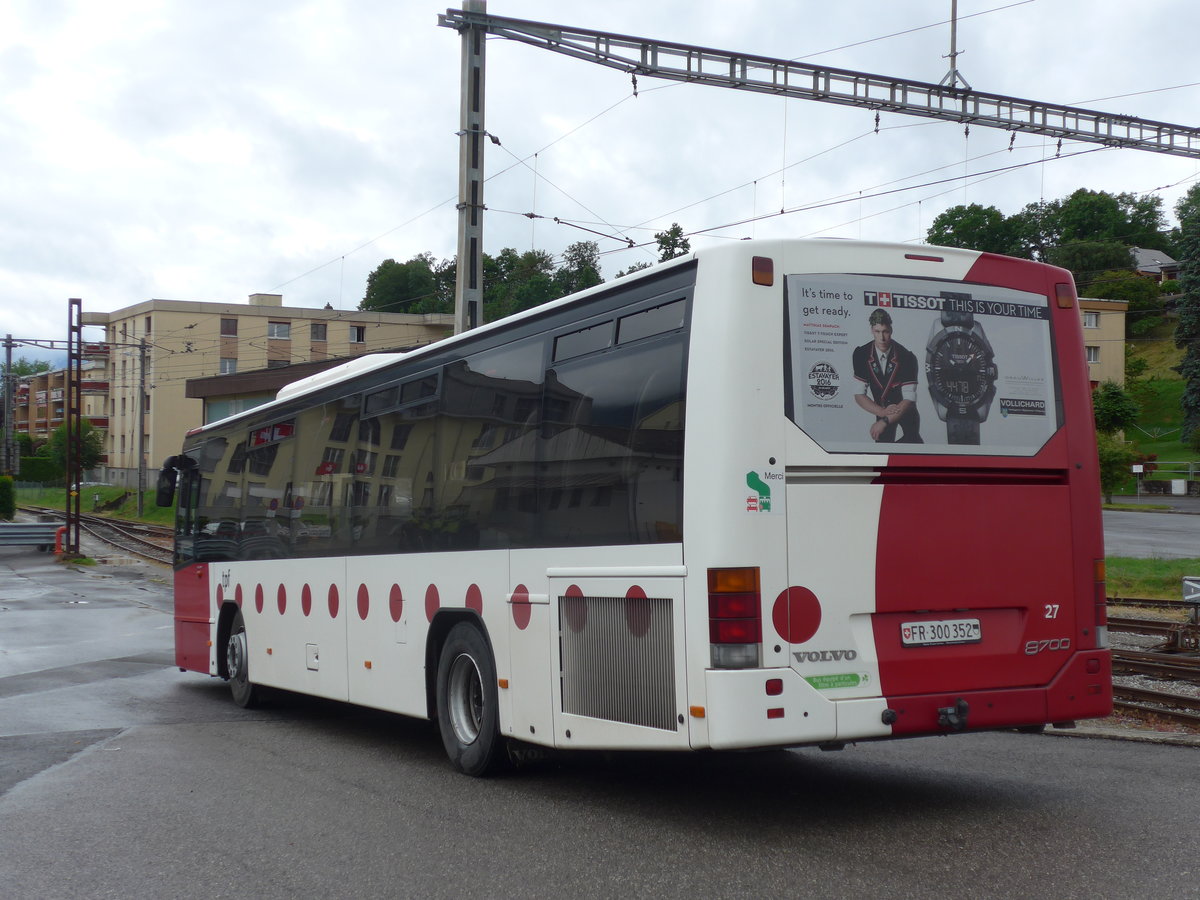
(734, 618)
(1101, 604)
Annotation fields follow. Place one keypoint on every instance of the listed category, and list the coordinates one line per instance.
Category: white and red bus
(775, 493)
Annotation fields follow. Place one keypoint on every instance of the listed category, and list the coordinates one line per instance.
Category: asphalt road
(121, 776)
(1148, 535)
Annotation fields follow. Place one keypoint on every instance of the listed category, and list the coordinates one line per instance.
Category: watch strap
(964, 319)
(961, 430)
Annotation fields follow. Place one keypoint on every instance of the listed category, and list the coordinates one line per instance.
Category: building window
(277, 363)
(146, 402)
(280, 331)
(228, 365)
(318, 331)
(358, 334)
(1091, 320)
(1093, 354)
(147, 324)
(229, 328)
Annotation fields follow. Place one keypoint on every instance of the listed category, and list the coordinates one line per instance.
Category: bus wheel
(237, 662)
(466, 701)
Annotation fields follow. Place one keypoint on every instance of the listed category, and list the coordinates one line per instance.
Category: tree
(672, 243)
(1116, 459)
(1141, 293)
(633, 267)
(421, 285)
(1036, 229)
(974, 227)
(515, 281)
(1086, 259)
(23, 368)
(91, 441)
(580, 268)
(1113, 408)
(1187, 329)
(1085, 216)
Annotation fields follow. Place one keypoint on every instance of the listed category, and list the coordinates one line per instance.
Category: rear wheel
(237, 661)
(466, 701)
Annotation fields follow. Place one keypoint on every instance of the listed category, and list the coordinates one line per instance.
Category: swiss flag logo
(906, 632)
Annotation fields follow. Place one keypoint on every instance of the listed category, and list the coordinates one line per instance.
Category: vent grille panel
(618, 659)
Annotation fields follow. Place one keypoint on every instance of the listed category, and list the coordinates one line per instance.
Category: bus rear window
(900, 365)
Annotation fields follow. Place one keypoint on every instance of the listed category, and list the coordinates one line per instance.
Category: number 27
(1051, 610)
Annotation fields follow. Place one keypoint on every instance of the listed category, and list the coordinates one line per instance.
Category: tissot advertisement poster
(896, 365)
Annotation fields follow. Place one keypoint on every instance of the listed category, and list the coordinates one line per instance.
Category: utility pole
(468, 289)
(141, 420)
(953, 77)
(71, 403)
(11, 461)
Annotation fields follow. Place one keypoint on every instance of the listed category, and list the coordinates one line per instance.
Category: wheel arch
(439, 628)
(224, 627)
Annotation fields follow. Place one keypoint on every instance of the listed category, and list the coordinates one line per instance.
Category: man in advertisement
(888, 372)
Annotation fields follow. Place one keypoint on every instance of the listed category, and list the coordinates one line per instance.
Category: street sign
(1191, 588)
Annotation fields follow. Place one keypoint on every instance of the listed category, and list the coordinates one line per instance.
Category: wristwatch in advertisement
(961, 371)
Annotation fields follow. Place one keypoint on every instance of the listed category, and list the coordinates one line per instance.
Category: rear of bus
(898, 483)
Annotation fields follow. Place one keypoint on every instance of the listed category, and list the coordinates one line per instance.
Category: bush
(41, 469)
(1170, 286)
(8, 497)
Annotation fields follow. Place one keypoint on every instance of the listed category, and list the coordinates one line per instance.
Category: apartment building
(156, 346)
(1104, 339)
(39, 401)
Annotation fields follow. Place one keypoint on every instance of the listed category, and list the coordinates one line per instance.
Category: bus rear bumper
(778, 708)
(1081, 690)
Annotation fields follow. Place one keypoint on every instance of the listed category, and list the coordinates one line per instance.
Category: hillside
(1159, 390)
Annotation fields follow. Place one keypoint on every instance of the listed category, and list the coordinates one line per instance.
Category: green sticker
(829, 682)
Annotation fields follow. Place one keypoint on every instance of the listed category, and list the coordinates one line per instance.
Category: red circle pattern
(475, 599)
(522, 612)
(796, 614)
(575, 609)
(432, 602)
(637, 612)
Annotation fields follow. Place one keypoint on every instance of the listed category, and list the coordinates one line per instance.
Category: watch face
(960, 370)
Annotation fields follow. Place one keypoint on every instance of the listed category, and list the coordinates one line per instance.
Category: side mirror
(164, 494)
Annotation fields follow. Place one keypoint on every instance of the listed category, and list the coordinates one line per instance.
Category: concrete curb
(1112, 733)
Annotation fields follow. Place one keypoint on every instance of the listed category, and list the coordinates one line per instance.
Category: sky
(207, 151)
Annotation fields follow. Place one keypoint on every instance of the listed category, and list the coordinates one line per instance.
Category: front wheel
(466, 701)
(237, 661)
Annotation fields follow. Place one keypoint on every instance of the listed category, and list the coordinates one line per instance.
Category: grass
(1153, 579)
(123, 503)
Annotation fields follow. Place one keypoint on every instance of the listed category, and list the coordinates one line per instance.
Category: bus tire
(467, 704)
(237, 661)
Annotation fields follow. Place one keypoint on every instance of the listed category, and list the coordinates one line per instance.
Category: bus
(770, 494)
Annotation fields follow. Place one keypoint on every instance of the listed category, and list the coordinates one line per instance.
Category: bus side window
(611, 449)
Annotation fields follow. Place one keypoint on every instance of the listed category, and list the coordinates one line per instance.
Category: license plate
(944, 631)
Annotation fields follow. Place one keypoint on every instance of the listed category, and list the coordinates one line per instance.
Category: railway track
(150, 542)
(1140, 673)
